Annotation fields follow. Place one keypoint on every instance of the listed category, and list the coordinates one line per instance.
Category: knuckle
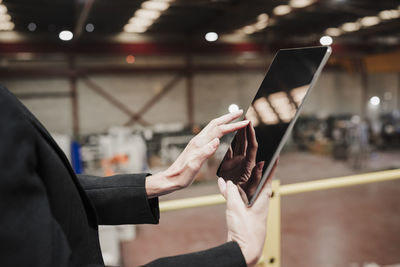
(193, 164)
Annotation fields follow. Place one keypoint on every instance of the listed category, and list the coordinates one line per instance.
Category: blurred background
(123, 85)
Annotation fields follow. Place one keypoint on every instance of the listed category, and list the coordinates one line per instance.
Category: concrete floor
(340, 227)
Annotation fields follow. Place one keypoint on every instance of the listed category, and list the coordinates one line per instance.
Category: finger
(222, 120)
(252, 146)
(233, 198)
(262, 201)
(266, 191)
(208, 150)
(239, 143)
(243, 195)
(222, 187)
(228, 154)
(228, 117)
(229, 128)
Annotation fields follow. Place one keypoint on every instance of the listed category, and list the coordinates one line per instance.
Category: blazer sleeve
(226, 255)
(121, 199)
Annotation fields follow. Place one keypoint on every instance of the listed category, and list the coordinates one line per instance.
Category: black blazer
(49, 216)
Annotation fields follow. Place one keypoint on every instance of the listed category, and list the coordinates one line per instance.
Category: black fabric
(113, 198)
(49, 216)
(226, 255)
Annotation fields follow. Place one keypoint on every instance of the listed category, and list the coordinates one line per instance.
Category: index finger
(224, 119)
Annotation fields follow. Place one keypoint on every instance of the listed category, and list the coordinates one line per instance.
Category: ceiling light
(375, 101)
(249, 29)
(140, 22)
(134, 28)
(333, 31)
(282, 10)
(233, 108)
(3, 9)
(369, 21)
(66, 35)
(89, 27)
(5, 17)
(155, 5)
(148, 14)
(326, 40)
(389, 14)
(130, 59)
(263, 17)
(350, 26)
(6, 26)
(261, 25)
(32, 27)
(211, 36)
(300, 3)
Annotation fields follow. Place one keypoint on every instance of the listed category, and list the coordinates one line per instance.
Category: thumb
(233, 197)
(222, 187)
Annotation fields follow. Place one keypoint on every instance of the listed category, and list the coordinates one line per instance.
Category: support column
(74, 98)
(189, 90)
(272, 248)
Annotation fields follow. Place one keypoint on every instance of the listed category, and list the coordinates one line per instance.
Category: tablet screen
(272, 113)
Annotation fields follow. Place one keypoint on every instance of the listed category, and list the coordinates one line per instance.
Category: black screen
(271, 112)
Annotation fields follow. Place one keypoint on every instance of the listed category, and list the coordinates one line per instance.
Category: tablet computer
(272, 114)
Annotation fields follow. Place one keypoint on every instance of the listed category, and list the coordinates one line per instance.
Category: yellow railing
(271, 254)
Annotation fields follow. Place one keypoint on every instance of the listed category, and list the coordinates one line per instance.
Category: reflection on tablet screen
(274, 108)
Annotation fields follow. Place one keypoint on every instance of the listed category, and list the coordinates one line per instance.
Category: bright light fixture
(6, 26)
(263, 17)
(66, 35)
(134, 28)
(249, 29)
(233, 108)
(211, 36)
(5, 17)
(282, 10)
(389, 14)
(155, 5)
(3, 9)
(369, 21)
(333, 31)
(32, 26)
(89, 27)
(261, 25)
(326, 40)
(374, 101)
(148, 14)
(350, 26)
(140, 22)
(300, 3)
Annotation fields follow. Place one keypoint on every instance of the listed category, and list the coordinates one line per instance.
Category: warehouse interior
(124, 85)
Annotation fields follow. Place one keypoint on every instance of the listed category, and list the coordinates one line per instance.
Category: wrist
(158, 184)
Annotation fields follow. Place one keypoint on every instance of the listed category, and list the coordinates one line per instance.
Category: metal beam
(74, 99)
(154, 100)
(84, 14)
(114, 101)
(22, 73)
(42, 95)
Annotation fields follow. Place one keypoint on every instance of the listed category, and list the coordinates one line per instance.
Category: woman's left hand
(183, 171)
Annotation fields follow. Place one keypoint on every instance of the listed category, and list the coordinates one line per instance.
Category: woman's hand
(183, 171)
(247, 225)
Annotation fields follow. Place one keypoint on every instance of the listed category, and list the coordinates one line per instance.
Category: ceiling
(193, 18)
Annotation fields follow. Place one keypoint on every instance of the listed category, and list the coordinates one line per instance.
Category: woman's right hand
(247, 225)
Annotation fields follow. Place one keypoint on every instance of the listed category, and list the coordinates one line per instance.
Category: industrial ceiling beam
(84, 14)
